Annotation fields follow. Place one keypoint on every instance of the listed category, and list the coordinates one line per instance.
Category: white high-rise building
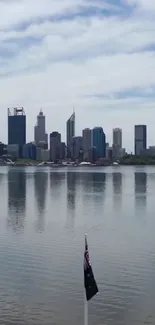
(117, 137)
(40, 134)
(117, 143)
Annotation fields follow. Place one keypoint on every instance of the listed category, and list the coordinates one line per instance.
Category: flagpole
(85, 299)
(85, 310)
(90, 285)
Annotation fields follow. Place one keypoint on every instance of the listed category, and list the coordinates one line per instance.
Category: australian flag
(89, 280)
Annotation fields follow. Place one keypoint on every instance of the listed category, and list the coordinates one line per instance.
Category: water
(43, 218)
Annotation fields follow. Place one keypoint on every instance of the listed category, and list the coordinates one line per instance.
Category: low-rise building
(13, 150)
(29, 151)
(45, 155)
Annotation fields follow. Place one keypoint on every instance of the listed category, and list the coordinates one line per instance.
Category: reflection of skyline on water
(140, 189)
(57, 179)
(99, 182)
(39, 270)
(1, 177)
(40, 185)
(117, 188)
(98, 189)
(16, 198)
(71, 190)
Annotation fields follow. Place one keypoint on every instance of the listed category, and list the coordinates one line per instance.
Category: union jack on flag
(89, 280)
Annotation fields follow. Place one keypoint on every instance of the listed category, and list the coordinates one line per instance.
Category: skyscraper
(55, 146)
(17, 127)
(86, 133)
(140, 139)
(117, 143)
(117, 137)
(77, 148)
(70, 125)
(40, 129)
(99, 141)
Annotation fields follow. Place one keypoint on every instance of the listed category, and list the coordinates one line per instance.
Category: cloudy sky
(95, 55)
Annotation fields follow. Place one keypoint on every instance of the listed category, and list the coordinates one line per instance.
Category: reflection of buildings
(40, 184)
(117, 183)
(57, 179)
(140, 189)
(71, 190)
(117, 187)
(99, 182)
(93, 193)
(16, 198)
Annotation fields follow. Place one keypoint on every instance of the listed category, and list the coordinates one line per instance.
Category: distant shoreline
(75, 167)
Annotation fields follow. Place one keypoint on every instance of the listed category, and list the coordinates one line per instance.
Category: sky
(97, 56)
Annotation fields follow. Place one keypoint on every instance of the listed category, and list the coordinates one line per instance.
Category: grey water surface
(43, 218)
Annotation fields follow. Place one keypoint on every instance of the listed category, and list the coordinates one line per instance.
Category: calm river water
(43, 218)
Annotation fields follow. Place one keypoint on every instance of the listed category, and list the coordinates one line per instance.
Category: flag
(89, 280)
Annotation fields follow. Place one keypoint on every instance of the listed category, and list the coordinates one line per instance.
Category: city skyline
(54, 56)
(117, 133)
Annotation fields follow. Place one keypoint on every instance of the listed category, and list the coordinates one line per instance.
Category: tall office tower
(70, 126)
(40, 134)
(140, 139)
(55, 146)
(99, 141)
(77, 148)
(117, 143)
(17, 127)
(86, 134)
(117, 137)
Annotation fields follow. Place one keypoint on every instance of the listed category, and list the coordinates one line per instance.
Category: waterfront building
(140, 139)
(2, 149)
(117, 137)
(77, 148)
(55, 143)
(13, 151)
(99, 141)
(86, 134)
(40, 134)
(70, 133)
(70, 126)
(109, 153)
(29, 151)
(62, 150)
(117, 143)
(17, 127)
(42, 145)
(45, 155)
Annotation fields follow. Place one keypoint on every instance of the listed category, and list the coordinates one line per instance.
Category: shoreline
(74, 166)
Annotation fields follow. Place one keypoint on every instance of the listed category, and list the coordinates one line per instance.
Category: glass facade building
(140, 139)
(99, 141)
(17, 128)
(70, 125)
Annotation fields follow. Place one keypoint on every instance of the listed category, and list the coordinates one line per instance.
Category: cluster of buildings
(90, 146)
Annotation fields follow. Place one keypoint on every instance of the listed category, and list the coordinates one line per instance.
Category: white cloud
(76, 58)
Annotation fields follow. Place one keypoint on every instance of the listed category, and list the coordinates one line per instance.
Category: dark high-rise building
(77, 148)
(70, 125)
(99, 141)
(17, 127)
(55, 144)
(140, 139)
